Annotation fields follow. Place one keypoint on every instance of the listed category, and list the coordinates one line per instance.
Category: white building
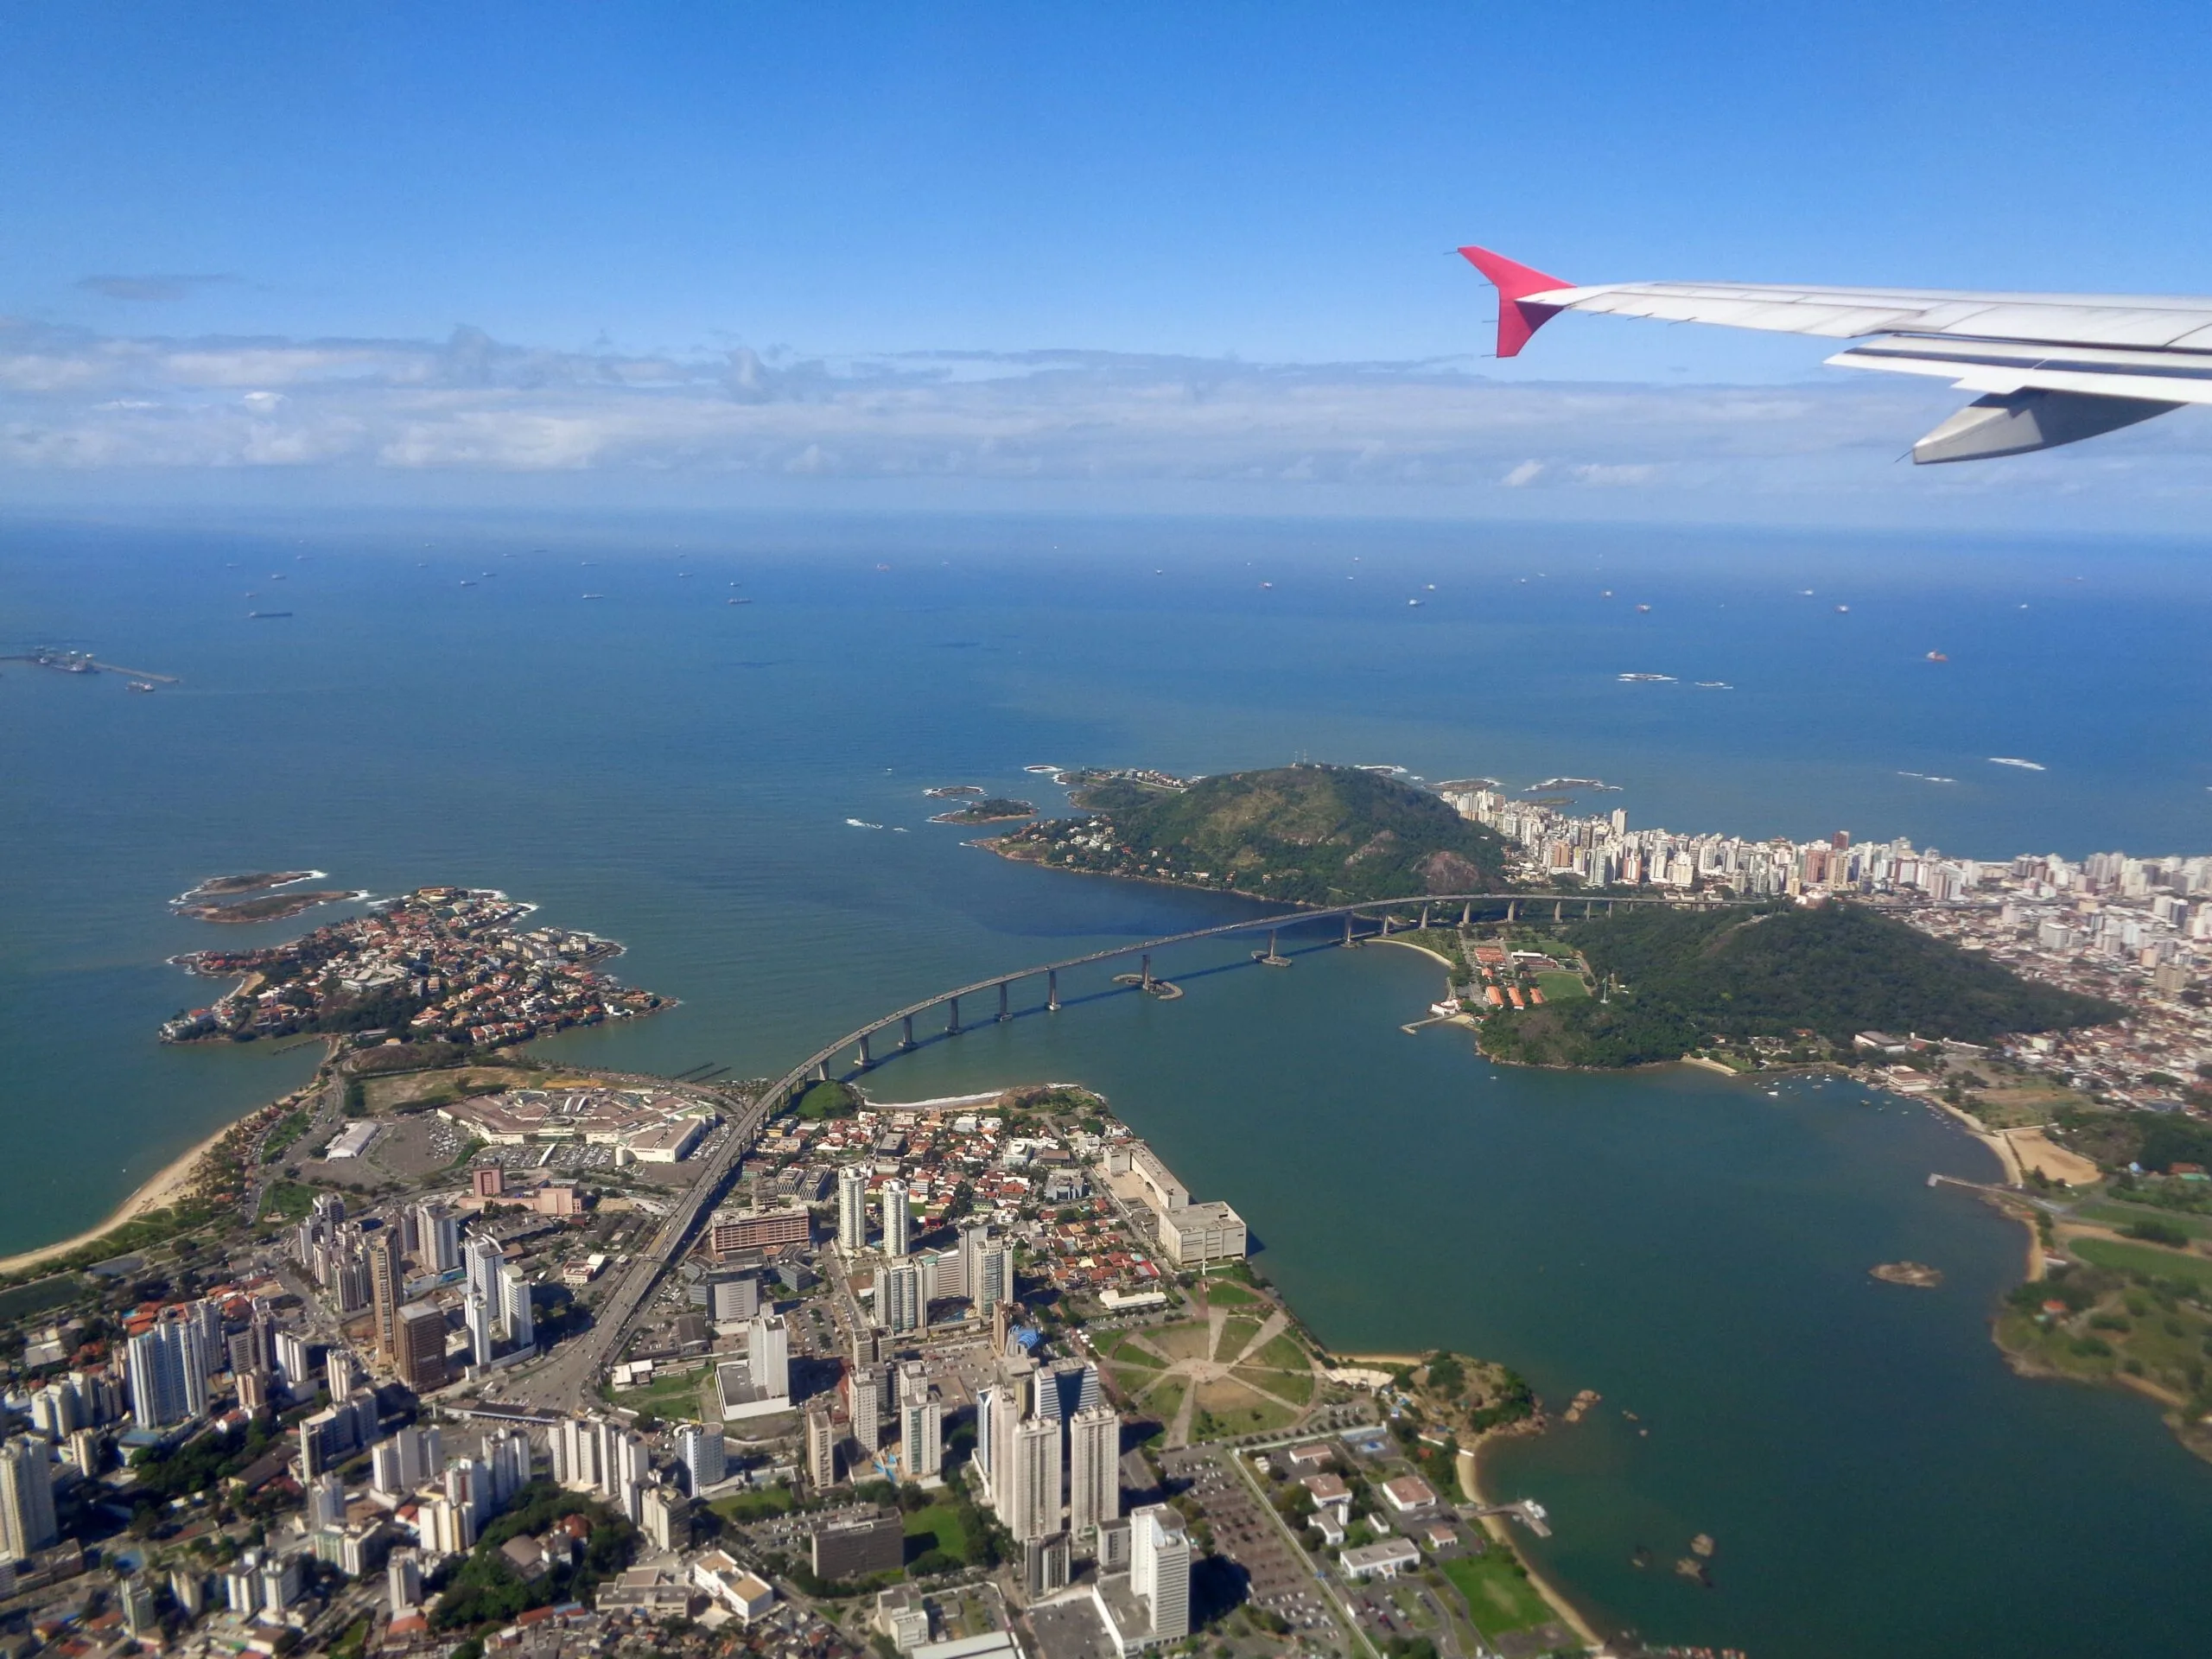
(852, 1208)
(1094, 1468)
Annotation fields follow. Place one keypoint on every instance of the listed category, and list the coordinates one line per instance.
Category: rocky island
(998, 809)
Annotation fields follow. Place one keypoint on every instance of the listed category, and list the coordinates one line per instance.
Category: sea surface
(658, 765)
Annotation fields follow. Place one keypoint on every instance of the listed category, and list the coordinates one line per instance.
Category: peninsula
(442, 965)
(1302, 834)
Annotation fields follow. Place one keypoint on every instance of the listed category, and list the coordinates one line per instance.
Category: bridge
(563, 1380)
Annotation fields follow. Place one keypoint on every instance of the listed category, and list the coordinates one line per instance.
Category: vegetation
(1499, 1597)
(828, 1099)
(2127, 1314)
(1308, 834)
(289, 1127)
(1678, 977)
(486, 1588)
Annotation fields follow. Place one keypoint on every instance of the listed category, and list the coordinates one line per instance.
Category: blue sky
(880, 203)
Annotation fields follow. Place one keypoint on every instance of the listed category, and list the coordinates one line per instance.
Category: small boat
(594, 595)
(1413, 601)
(739, 601)
(1843, 610)
(1645, 608)
(468, 584)
(1936, 657)
(140, 685)
(265, 616)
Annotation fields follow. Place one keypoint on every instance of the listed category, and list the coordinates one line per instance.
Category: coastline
(1555, 1598)
(173, 1180)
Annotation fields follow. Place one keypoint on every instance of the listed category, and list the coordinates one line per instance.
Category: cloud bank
(73, 401)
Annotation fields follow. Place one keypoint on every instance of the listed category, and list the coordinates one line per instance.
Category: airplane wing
(2051, 368)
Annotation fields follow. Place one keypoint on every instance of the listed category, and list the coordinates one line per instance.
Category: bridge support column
(1424, 919)
(1052, 991)
(821, 1073)
(1386, 924)
(952, 1024)
(867, 1059)
(1347, 927)
(1558, 910)
(1003, 1013)
(1512, 910)
(1467, 913)
(906, 1032)
(1145, 972)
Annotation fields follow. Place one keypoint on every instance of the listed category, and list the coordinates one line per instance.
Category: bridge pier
(907, 1032)
(1424, 919)
(821, 1073)
(866, 1059)
(1558, 910)
(1347, 927)
(1052, 991)
(1467, 913)
(952, 1025)
(1512, 910)
(1003, 1013)
(1144, 976)
(1386, 924)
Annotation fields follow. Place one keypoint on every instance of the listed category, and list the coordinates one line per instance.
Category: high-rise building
(167, 1367)
(327, 1500)
(27, 1522)
(733, 1301)
(387, 1289)
(405, 1461)
(852, 1207)
(1094, 1468)
(295, 1360)
(506, 1454)
(898, 1218)
(139, 1616)
(921, 1438)
(899, 1297)
(483, 1258)
(821, 1449)
(702, 1451)
(768, 1356)
(864, 1398)
(437, 1233)
(1160, 1570)
(404, 1578)
(479, 1320)
(518, 1320)
(1029, 1494)
(421, 1364)
(204, 1320)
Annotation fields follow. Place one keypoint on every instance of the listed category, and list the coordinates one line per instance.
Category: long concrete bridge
(563, 1380)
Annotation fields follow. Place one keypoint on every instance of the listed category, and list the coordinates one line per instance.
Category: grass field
(936, 1528)
(1191, 1340)
(287, 1201)
(1232, 1296)
(666, 1396)
(1121, 1349)
(1235, 1334)
(1229, 1407)
(1282, 1353)
(1297, 1387)
(1561, 987)
(1165, 1401)
(2145, 1259)
(1499, 1597)
(753, 1506)
(2115, 1214)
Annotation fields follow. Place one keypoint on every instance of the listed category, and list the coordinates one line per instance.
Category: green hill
(1308, 834)
(1682, 977)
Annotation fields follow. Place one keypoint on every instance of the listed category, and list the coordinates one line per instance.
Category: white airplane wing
(2051, 368)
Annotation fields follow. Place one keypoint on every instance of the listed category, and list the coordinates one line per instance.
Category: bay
(677, 771)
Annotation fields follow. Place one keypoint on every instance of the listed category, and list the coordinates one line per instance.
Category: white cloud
(72, 399)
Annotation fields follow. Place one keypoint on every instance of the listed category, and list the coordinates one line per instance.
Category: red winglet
(1517, 320)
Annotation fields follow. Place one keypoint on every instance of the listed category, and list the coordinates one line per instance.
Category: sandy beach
(169, 1184)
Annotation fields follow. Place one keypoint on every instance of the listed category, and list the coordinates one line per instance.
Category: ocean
(677, 771)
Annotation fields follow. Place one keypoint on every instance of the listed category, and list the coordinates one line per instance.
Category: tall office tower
(422, 1346)
(387, 1289)
(864, 1395)
(342, 1372)
(408, 1224)
(26, 1497)
(852, 1208)
(404, 1579)
(703, 1455)
(437, 1232)
(204, 1319)
(1160, 1569)
(517, 1318)
(326, 1501)
(768, 1356)
(484, 1258)
(899, 1297)
(168, 1382)
(506, 1453)
(295, 1360)
(921, 1438)
(821, 1449)
(1094, 1468)
(897, 1219)
(479, 1320)
(1032, 1494)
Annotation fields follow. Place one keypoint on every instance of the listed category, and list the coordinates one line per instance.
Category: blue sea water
(677, 771)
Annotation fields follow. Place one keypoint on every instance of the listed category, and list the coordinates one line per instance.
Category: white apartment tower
(921, 1438)
(852, 1208)
(897, 1219)
(27, 1523)
(1030, 1496)
(1160, 1570)
(1094, 1468)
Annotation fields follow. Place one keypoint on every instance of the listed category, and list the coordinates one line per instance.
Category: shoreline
(173, 1180)
(1539, 1576)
